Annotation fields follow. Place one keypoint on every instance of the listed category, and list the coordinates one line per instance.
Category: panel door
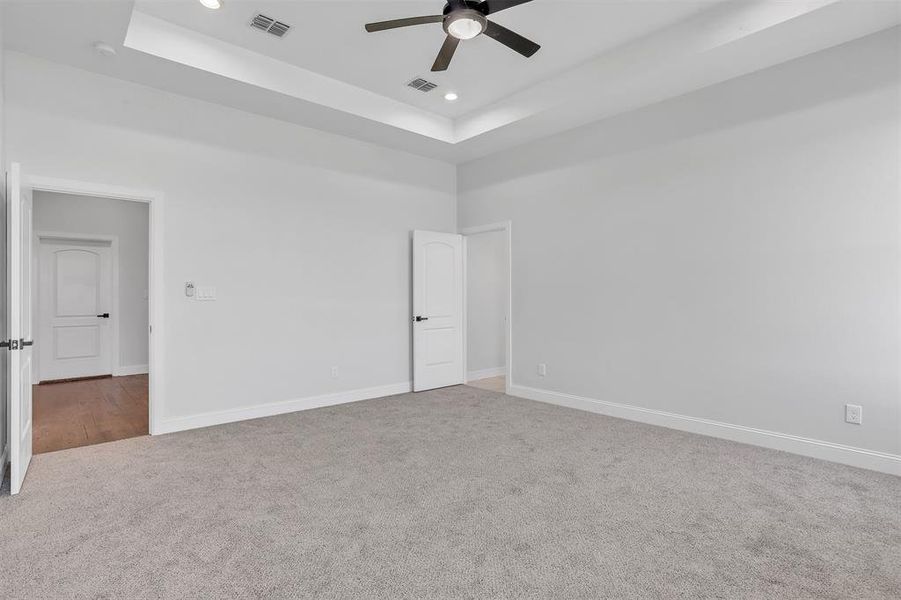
(75, 304)
(437, 310)
(19, 324)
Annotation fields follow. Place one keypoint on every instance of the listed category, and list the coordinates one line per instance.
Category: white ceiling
(598, 58)
(328, 38)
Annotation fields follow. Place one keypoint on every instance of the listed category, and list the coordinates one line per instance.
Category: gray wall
(129, 221)
(732, 254)
(305, 235)
(486, 291)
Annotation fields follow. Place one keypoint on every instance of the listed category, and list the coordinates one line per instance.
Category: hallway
(91, 411)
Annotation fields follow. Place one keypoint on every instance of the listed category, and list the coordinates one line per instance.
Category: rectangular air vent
(422, 85)
(270, 25)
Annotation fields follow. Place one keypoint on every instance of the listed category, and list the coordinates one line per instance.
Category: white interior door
(75, 333)
(437, 310)
(18, 286)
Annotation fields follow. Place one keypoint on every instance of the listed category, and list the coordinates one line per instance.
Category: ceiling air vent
(422, 85)
(270, 25)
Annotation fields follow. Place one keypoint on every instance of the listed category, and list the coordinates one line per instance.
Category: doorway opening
(90, 305)
(488, 306)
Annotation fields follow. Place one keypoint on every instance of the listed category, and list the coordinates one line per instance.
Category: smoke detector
(104, 49)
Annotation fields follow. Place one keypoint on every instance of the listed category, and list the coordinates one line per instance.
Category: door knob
(104, 316)
(420, 319)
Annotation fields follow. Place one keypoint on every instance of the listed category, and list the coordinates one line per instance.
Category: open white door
(18, 290)
(437, 310)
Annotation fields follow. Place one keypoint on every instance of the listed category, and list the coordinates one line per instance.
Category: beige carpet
(458, 493)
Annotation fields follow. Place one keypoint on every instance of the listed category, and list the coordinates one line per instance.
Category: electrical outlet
(853, 414)
(542, 369)
(334, 372)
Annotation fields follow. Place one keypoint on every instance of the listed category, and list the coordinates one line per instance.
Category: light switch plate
(205, 293)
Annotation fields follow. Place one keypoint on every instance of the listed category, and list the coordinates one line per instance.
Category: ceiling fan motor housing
(458, 5)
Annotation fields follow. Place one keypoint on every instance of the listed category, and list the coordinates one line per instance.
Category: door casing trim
(505, 226)
(156, 334)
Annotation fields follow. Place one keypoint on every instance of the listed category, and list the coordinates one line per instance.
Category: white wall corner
(848, 455)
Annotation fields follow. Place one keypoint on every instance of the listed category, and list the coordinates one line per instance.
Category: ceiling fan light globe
(465, 28)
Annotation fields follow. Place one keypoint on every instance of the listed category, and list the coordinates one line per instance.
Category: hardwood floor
(81, 413)
(494, 384)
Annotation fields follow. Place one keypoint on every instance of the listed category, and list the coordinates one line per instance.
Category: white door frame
(506, 226)
(155, 285)
(113, 241)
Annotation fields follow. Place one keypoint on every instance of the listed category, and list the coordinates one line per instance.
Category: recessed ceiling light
(214, 4)
(451, 96)
(104, 49)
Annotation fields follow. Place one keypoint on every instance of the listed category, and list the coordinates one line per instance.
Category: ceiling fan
(464, 20)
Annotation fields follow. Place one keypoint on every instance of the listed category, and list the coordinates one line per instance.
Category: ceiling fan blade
(488, 7)
(511, 39)
(409, 22)
(446, 54)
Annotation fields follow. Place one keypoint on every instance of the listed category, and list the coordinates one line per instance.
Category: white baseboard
(849, 455)
(278, 408)
(131, 370)
(486, 373)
